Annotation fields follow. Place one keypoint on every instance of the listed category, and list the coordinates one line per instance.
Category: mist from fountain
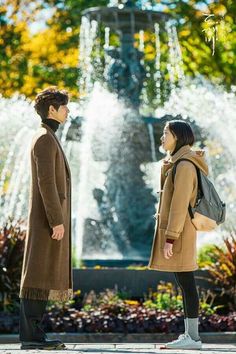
(213, 109)
(19, 122)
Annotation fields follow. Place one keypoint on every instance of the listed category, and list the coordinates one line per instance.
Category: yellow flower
(77, 292)
(131, 302)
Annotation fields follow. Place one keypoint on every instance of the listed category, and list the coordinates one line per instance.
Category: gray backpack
(208, 211)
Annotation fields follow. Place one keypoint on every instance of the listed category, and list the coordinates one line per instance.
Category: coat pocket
(177, 245)
(161, 237)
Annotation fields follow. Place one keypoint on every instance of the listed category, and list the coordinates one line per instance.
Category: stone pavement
(120, 349)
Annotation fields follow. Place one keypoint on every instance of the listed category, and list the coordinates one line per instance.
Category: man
(46, 272)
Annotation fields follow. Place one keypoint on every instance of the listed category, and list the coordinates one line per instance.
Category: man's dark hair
(183, 132)
(50, 96)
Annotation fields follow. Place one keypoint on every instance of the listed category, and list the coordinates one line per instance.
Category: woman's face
(168, 140)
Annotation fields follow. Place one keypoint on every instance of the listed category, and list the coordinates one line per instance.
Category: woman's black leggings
(186, 282)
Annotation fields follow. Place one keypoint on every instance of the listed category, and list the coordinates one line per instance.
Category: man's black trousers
(31, 315)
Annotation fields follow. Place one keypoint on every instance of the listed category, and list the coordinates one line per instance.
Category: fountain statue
(123, 224)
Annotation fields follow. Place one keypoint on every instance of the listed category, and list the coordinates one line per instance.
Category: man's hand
(58, 232)
(168, 250)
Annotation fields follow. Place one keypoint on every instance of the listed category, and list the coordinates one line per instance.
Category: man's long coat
(47, 271)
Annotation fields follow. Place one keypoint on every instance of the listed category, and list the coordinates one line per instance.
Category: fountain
(122, 224)
(112, 137)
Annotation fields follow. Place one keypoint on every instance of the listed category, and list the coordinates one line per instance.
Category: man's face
(59, 115)
(62, 113)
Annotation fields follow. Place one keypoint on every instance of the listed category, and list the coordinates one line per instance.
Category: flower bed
(130, 319)
(116, 319)
(111, 312)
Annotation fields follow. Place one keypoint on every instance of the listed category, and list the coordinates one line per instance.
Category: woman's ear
(174, 136)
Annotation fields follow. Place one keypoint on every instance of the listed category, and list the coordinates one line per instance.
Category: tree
(196, 32)
(29, 62)
(13, 61)
(199, 21)
(51, 61)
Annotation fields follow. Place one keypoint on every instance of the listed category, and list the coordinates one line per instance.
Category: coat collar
(180, 153)
(48, 128)
(58, 142)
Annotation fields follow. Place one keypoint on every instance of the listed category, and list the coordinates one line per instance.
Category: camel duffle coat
(173, 219)
(47, 271)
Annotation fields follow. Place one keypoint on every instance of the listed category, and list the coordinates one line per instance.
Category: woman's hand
(168, 250)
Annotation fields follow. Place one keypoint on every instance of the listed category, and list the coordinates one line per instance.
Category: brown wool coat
(47, 271)
(173, 219)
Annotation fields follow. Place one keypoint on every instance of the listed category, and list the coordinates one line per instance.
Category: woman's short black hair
(182, 131)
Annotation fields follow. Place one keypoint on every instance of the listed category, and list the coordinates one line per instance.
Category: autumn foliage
(30, 60)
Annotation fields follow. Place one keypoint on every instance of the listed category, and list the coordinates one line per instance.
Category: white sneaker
(183, 342)
(182, 335)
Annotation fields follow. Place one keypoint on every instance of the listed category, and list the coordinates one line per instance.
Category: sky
(41, 19)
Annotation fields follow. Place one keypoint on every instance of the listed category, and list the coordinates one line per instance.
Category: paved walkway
(120, 349)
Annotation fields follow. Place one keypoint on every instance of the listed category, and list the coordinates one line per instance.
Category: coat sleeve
(184, 182)
(45, 158)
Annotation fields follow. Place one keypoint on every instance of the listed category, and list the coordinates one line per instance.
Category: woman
(174, 245)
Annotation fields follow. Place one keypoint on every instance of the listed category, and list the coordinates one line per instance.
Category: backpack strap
(199, 191)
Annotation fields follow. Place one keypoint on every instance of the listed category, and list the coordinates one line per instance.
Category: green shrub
(206, 255)
(12, 236)
(221, 264)
(168, 299)
(165, 298)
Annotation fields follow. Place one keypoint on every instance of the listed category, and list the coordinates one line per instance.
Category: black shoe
(47, 344)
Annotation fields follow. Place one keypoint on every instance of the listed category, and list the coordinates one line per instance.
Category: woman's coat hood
(196, 156)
